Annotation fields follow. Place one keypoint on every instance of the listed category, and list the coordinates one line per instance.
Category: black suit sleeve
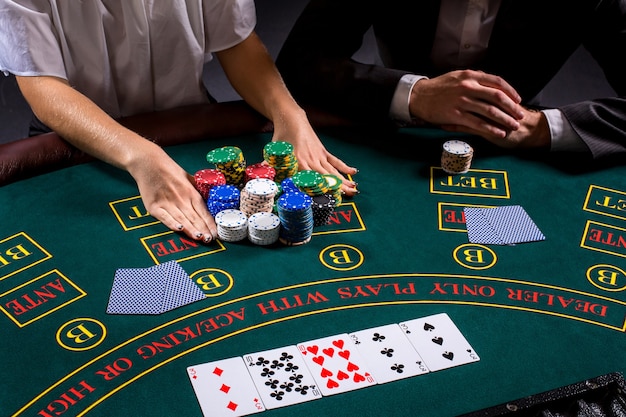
(316, 61)
(601, 123)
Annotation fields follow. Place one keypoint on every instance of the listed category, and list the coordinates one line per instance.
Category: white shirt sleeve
(399, 109)
(128, 57)
(564, 137)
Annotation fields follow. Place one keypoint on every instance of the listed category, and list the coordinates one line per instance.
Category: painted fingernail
(207, 238)
(180, 227)
(198, 235)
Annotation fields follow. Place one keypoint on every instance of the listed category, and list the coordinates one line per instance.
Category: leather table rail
(29, 157)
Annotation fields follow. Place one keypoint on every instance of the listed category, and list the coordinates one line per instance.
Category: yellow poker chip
(280, 156)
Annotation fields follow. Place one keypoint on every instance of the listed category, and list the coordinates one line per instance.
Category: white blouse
(128, 56)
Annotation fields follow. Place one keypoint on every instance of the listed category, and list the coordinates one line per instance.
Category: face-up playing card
(336, 364)
(281, 377)
(439, 342)
(388, 353)
(225, 388)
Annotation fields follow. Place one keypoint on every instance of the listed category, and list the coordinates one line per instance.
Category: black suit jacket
(530, 42)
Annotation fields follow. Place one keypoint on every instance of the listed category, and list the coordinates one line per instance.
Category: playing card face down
(136, 291)
(152, 290)
(439, 342)
(388, 353)
(225, 388)
(505, 225)
(336, 364)
(281, 377)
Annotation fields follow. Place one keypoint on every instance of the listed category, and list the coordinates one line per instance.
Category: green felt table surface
(540, 314)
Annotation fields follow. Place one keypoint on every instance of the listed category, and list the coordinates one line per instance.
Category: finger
(348, 187)
(199, 216)
(349, 191)
(499, 84)
(487, 131)
(204, 220)
(493, 108)
(175, 220)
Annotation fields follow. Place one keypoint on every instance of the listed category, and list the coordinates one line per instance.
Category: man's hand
(533, 132)
(468, 101)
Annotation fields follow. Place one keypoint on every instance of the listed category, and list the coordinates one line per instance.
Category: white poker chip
(457, 147)
(264, 221)
(263, 228)
(231, 218)
(456, 157)
(258, 196)
(261, 187)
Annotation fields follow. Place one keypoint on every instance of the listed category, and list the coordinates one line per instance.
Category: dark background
(274, 20)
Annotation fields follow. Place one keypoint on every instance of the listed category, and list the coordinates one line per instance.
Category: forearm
(253, 74)
(79, 121)
(251, 71)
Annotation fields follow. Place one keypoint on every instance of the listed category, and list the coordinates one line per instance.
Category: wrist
(538, 129)
(416, 102)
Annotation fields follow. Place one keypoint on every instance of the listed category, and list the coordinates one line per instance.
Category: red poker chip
(260, 170)
(206, 179)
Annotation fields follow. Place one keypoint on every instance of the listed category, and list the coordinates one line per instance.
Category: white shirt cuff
(399, 109)
(564, 137)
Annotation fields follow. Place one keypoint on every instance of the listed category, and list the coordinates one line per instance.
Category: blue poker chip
(294, 200)
(295, 211)
(288, 185)
(224, 193)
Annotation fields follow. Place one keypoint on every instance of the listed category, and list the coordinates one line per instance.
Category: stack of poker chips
(323, 206)
(223, 197)
(296, 218)
(280, 156)
(232, 225)
(456, 157)
(311, 182)
(260, 170)
(315, 185)
(263, 228)
(206, 179)
(257, 196)
(334, 183)
(230, 161)
(288, 185)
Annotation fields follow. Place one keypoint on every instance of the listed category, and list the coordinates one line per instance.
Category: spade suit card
(439, 342)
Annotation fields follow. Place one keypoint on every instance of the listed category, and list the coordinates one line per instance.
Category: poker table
(540, 315)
